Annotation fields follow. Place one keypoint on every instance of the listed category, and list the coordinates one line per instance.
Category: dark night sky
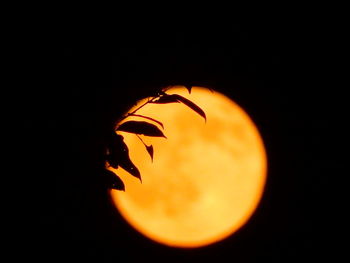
(267, 68)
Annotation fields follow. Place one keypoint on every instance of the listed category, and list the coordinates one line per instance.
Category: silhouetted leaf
(116, 148)
(115, 140)
(118, 155)
(148, 118)
(166, 98)
(128, 166)
(113, 160)
(148, 148)
(150, 151)
(189, 88)
(113, 181)
(141, 127)
(191, 105)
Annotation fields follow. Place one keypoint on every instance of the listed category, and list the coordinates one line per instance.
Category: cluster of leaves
(117, 152)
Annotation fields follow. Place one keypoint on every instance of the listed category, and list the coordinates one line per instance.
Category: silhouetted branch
(118, 152)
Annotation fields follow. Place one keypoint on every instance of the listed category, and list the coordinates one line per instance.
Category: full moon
(206, 179)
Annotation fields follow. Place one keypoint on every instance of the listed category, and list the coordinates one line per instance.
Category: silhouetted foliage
(118, 155)
(117, 152)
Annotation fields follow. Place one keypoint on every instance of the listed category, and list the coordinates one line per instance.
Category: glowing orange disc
(206, 179)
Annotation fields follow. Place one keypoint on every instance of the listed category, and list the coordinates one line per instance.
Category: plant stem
(141, 140)
(141, 106)
(138, 108)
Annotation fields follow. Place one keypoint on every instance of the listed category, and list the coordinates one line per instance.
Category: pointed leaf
(191, 105)
(148, 148)
(113, 161)
(150, 151)
(118, 184)
(148, 118)
(115, 141)
(189, 88)
(177, 98)
(129, 166)
(115, 149)
(119, 156)
(113, 181)
(166, 98)
(141, 127)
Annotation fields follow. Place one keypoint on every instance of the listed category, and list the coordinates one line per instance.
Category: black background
(271, 69)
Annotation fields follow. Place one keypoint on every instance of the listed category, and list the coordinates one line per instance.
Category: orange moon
(206, 179)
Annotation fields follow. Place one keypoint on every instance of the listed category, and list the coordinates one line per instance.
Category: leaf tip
(119, 188)
(189, 88)
(150, 151)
